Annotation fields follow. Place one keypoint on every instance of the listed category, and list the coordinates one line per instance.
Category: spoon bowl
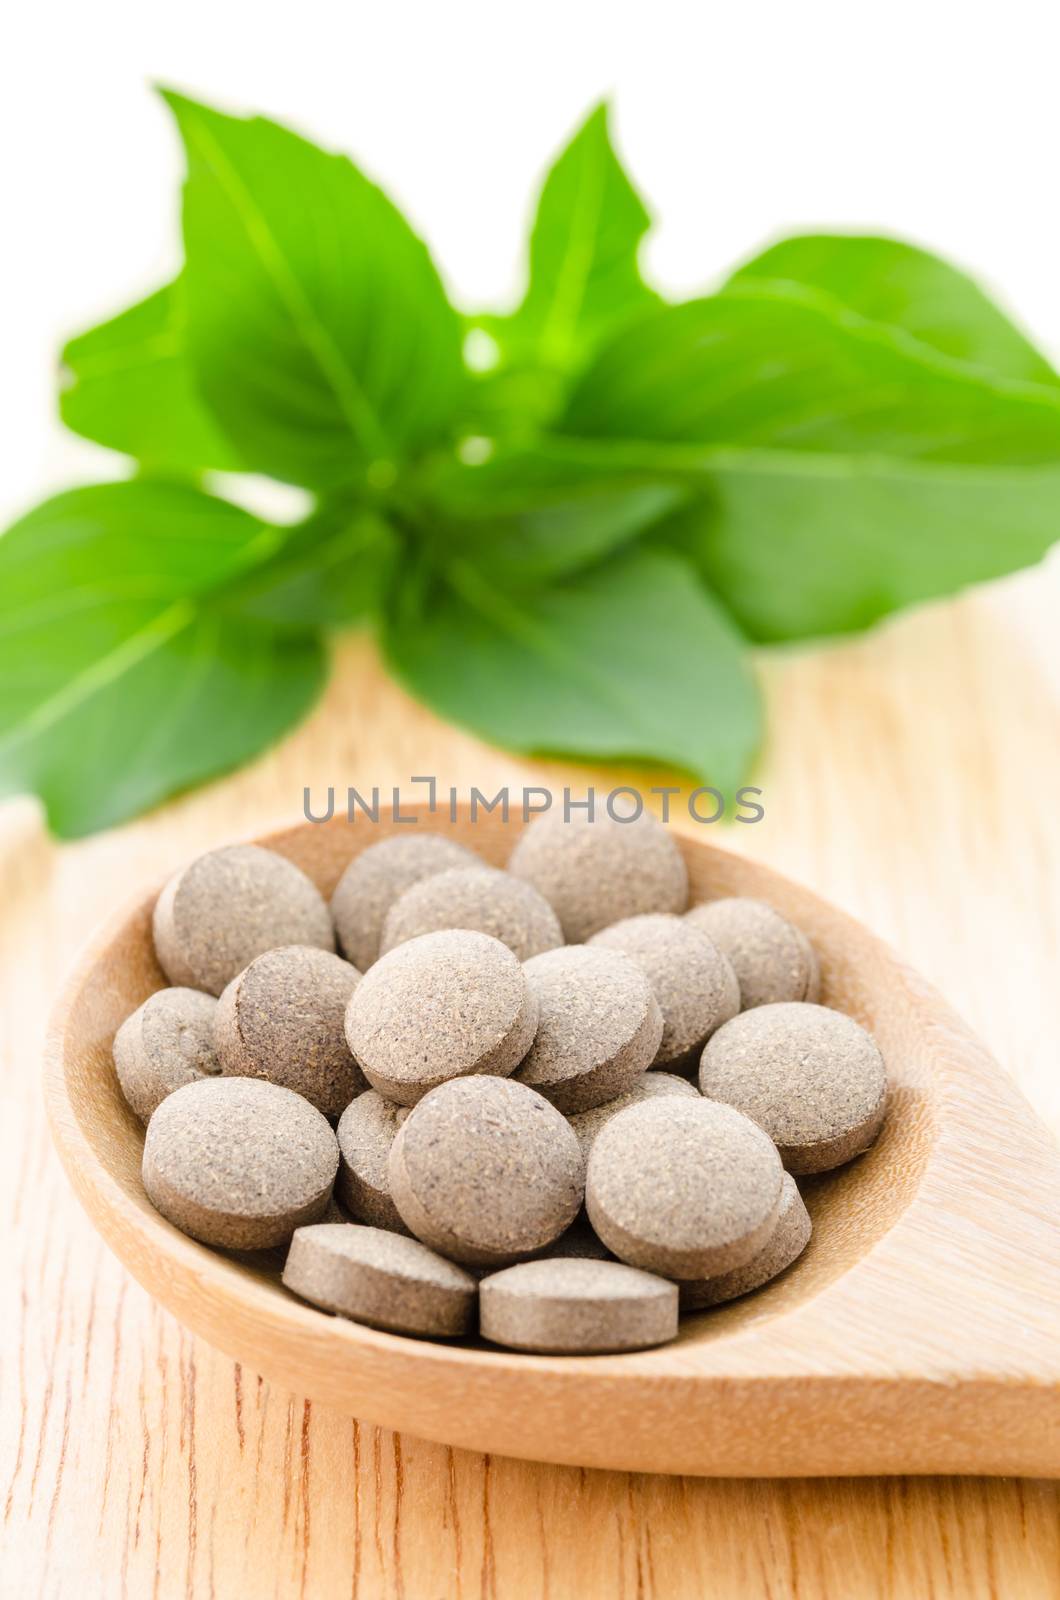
(919, 1332)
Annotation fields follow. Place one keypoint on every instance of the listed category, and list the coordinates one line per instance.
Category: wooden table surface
(913, 776)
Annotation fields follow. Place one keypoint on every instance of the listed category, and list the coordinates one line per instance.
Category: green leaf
(120, 681)
(847, 469)
(799, 547)
(787, 369)
(330, 572)
(584, 281)
(129, 385)
(631, 659)
(888, 281)
(513, 403)
(538, 513)
(319, 329)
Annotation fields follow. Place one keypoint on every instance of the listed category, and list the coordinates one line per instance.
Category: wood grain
(913, 778)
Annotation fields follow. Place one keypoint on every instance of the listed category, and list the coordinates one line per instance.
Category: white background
(936, 121)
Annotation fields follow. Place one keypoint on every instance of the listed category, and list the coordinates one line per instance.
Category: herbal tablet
(813, 1078)
(366, 1130)
(785, 1244)
(686, 1188)
(480, 898)
(569, 1307)
(599, 1026)
(599, 872)
(231, 905)
(283, 1019)
(587, 1124)
(693, 982)
(383, 1279)
(486, 1171)
(442, 1006)
(379, 876)
(167, 1042)
(239, 1163)
(773, 960)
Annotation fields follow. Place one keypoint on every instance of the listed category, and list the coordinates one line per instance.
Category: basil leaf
(847, 470)
(129, 385)
(799, 546)
(511, 404)
(330, 572)
(631, 659)
(783, 368)
(542, 512)
(584, 283)
(896, 283)
(584, 278)
(319, 329)
(119, 683)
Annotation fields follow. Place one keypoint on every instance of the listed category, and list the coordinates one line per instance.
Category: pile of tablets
(550, 1105)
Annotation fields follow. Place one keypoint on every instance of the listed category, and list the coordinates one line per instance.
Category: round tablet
(813, 1078)
(475, 897)
(283, 1020)
(366, 1130)
(379, 876)
(568, 1307)
(693, 982)
(383, 1279)
(772, 959)
(441, 1006)
(486, 1171)
(167, 1042)
(595, 873)
(231, 905)
(784, 1245)
(239, 1163)
(687, 1188)
(599, 1026)
(587, 1124)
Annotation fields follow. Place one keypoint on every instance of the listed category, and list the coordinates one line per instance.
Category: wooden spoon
(919, 1333)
